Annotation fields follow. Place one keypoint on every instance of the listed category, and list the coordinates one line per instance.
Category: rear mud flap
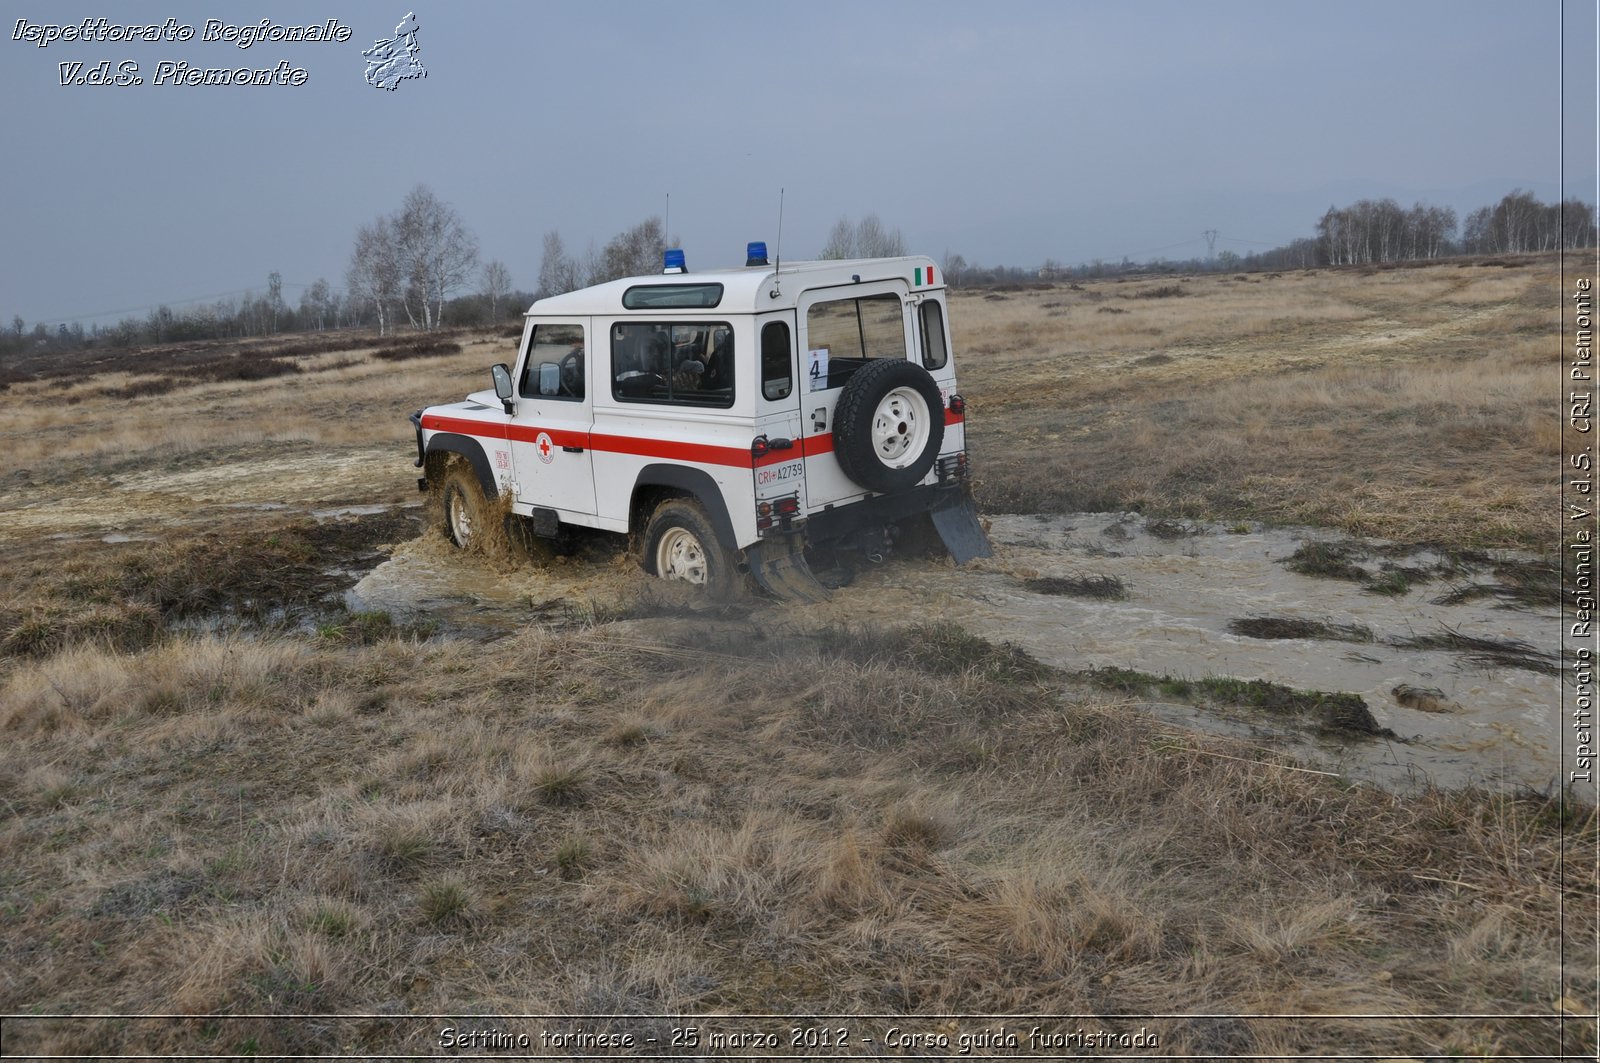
(780, 567)
(963, 535)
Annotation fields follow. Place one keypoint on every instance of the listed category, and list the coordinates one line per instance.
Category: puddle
(427, 578)
(1179, 596)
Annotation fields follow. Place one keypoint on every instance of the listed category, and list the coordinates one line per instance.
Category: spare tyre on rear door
(888, 425)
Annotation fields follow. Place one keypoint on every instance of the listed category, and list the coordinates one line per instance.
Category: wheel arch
(443, 444)
(656, 483)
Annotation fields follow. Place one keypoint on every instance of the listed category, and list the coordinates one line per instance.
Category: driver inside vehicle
(572, 370)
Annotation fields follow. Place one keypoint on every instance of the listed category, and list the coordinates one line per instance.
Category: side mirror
(502, 384)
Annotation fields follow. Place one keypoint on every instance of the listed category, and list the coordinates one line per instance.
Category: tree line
(415, 266)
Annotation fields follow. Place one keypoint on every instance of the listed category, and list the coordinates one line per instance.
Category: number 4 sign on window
(817, 368)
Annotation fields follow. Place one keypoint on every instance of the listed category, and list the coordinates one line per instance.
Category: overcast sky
(1009, 132)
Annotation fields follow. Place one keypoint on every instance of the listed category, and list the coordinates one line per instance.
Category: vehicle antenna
(666, 226)
(778, 255)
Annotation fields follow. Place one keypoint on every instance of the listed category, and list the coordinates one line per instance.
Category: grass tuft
(1105, 588)
(446, 902)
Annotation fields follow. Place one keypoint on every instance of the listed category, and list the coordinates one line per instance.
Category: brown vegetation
(225, 795)
(1411, 403)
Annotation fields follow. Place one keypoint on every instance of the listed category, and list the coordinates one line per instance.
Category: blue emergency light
(672, 261)
(755, 254)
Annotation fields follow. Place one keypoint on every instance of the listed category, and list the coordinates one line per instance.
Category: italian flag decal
(924, 275)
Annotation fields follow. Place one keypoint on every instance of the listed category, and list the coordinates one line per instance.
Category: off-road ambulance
(727, 420)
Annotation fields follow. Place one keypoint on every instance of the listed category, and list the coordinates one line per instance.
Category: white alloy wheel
(463, 510)
(458, 511)
(680, 555)
(900, 427)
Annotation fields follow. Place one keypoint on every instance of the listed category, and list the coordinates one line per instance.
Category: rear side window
(934, 353)
(777, 363)
(845, 334)
(656, 296)
(554, 366)
(688, 363)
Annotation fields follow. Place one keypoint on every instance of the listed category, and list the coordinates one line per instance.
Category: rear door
(780, 473)
(841, 329)
(554, 416)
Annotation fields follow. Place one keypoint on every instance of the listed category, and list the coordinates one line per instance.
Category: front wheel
(680, 544)
(463, 508)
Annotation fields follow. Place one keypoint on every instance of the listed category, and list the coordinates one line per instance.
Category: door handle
(819, 419)
(572, 450)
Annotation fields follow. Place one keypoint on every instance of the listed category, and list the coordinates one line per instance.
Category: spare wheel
(888, 425)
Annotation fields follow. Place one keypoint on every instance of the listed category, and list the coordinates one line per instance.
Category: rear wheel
(680, 544)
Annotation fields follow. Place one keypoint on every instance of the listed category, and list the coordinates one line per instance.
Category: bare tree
(436, 252)
(314, 305)
(866, 239)
(634, 252)
(275, 295)
(591, 267)
(496, 286)
(841, 241)
(1577, 226)
(375, 275)
(874, 241)
(954, 266)
(557, 271)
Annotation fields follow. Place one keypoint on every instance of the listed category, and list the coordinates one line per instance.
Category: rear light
(958, 405)
(759, 447)
(952, 467)
(777, 513)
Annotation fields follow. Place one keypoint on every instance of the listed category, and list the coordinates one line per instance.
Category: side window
(684, 363)
(777, 360)
(554, 366)
(844, 334)
(934, 354)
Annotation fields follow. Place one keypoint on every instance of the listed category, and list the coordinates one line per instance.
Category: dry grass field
(225, 795)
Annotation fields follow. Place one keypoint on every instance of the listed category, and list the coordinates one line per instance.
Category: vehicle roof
(744, 290)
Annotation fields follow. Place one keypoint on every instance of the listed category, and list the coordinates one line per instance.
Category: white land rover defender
(726, 420)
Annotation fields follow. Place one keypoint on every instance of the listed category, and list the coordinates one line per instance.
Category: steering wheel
(572, 373)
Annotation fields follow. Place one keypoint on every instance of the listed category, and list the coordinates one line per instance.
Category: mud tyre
(680, 544)
(888, 425)
(463, 508)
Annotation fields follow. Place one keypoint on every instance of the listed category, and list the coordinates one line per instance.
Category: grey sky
(1009, 132)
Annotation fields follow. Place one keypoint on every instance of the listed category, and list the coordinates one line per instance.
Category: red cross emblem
(543, 445)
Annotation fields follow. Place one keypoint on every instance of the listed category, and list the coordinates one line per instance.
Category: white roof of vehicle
(743, 290)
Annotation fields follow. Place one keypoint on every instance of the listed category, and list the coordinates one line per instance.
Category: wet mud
(1426, 669)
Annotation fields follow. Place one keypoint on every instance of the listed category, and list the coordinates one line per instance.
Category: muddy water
(1502, 724)
(1499, 727)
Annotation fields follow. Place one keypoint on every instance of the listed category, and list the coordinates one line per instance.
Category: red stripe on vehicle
(818, 444)
(559, 436)
(705, 453)
(487, 429)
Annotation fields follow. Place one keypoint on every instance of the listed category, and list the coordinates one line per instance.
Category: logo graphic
(543, 445)
(391, 62)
